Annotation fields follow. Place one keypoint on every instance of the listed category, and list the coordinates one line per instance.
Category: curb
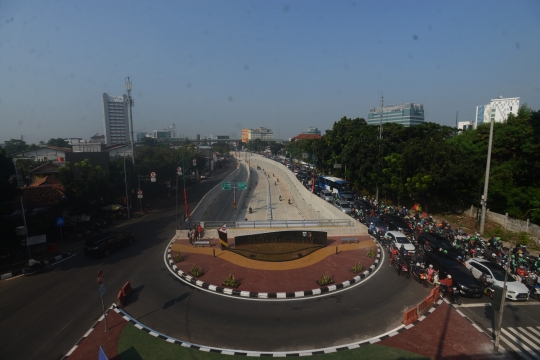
(192, 281)
(48, 262)
(222, 351)
(86, 335)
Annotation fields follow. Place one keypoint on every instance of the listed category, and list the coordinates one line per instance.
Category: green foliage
(371, 253)
(15, 146)
(58, 142)
(358, 267)
(230, 281)
(196, 271)
(326, 279)
(178, 258)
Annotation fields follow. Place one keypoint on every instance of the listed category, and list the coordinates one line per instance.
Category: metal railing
(278, 224)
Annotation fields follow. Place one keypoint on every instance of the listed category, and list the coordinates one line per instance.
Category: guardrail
(278, 224)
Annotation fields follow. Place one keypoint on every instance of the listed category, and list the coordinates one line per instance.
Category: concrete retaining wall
(507, 223)
(309, 204)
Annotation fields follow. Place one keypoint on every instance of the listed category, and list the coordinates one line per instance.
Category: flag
(312, 182)
(101, 354)
(222, 232)
(186, 203)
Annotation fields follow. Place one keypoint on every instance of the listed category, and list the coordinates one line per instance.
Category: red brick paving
(89, 348)
(444, 334)
(216, 270)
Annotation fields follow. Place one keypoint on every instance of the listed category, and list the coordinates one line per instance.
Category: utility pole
(380, 141)
(130, 103)
(486, 183)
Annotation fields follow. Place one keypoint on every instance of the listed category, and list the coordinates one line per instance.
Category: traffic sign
(60, 221)
(179, 171)
(100, 277)
(242, 185)
(225, 186)
(101, 290)
(139, 192)
(337, 166)
(153, 174)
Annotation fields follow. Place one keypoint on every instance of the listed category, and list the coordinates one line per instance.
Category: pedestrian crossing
(522, 342)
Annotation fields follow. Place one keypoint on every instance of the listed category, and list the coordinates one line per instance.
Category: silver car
(343, 206)
(326, 195)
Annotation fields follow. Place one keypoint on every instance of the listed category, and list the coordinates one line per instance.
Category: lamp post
(486, 183)
(130, 103)
(22, 205)
(181, 171)
(128, 202)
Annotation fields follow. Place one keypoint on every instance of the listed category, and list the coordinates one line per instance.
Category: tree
(15, 146)
(58, 142)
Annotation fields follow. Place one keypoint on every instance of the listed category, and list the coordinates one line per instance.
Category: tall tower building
(115, 119)
(408, 114)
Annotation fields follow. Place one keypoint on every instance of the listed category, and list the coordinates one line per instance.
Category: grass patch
(135, 344)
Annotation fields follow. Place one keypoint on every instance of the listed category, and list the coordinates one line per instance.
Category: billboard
(245, 135)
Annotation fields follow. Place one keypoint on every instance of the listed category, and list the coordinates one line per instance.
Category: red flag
(186, 203)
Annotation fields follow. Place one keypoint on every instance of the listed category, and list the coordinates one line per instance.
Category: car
(435, 242)
(348, 197)
(105, 243)
(380, 226)
(316, 190)
(495, 275)
(399, 239)
(343, 206)
(395, 223)
(362, 204)
(467, 284)
(326, 195)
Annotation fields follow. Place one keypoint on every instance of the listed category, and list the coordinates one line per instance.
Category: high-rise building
(498, 110)
(115, 119)
(408, 114)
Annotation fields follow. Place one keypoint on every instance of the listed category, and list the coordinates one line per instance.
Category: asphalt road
(43, 316)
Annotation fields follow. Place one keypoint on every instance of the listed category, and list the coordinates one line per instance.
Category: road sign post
(153, 177)
(101, 291)
(60, 221)
(225, 186)
(242, 185)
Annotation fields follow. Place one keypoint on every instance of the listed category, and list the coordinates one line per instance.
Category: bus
(335, 185)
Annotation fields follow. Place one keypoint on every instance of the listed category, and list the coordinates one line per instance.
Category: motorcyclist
(513, 263)
(403, 252)
(522, 273)
(446, 284)
(522, 261)
(394, 253)
(372, 228)
(431, 271)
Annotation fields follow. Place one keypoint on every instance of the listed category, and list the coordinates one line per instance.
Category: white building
(498, 110)
(115, 119)
(261, 133)
(167, 132)
(465, 125)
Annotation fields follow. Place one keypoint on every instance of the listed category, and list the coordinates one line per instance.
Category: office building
(115, 119)
(312, 131)
(259, 133)
(498, 109)
(465, 125)
(166, 133)
(408, 114)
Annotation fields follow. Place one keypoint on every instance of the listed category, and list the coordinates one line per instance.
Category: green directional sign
(242, 185)
(225, 186)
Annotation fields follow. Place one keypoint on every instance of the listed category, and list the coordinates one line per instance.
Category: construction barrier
(126, 289)
(120, 299)
(123, 293)
(410, 316)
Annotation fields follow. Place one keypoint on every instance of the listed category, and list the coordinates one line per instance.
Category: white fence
(507, 223)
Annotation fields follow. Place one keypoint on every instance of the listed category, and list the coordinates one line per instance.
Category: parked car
(495, 275)
(105, 243)
(343, 206)
(461, 276)
(395, 223)
(399, 239)
(327, 195)
(348, 197)
(435, 242)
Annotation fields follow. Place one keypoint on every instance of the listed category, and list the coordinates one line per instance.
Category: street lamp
(486, 183)
(181, 171)
(22, 205)
(130, 103)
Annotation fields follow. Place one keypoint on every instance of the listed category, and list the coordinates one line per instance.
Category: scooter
(532, 285)
(402, 267)
(35, 267)
(453, 294)
(419, 274)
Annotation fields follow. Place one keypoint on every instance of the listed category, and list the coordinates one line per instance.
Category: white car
(399, 239)
(495, 275)
(326, 195)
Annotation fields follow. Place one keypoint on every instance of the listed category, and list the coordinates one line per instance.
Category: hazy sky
(214, 67)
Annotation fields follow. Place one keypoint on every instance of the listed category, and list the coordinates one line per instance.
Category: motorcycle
(532, 284)
(419, 274)
(35, 267)
(402, 267)
(453, 294)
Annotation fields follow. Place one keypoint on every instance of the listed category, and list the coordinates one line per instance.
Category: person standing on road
(195, 234)
(190, 235)
(199, 231)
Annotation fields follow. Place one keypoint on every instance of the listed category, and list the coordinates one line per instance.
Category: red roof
(47, 181)
(306, 136)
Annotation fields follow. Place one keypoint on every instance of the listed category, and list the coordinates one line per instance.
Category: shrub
(357, 267)
(230, 281)
(196, 270)
(326, 279)
(371, 253)
(178, 258)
